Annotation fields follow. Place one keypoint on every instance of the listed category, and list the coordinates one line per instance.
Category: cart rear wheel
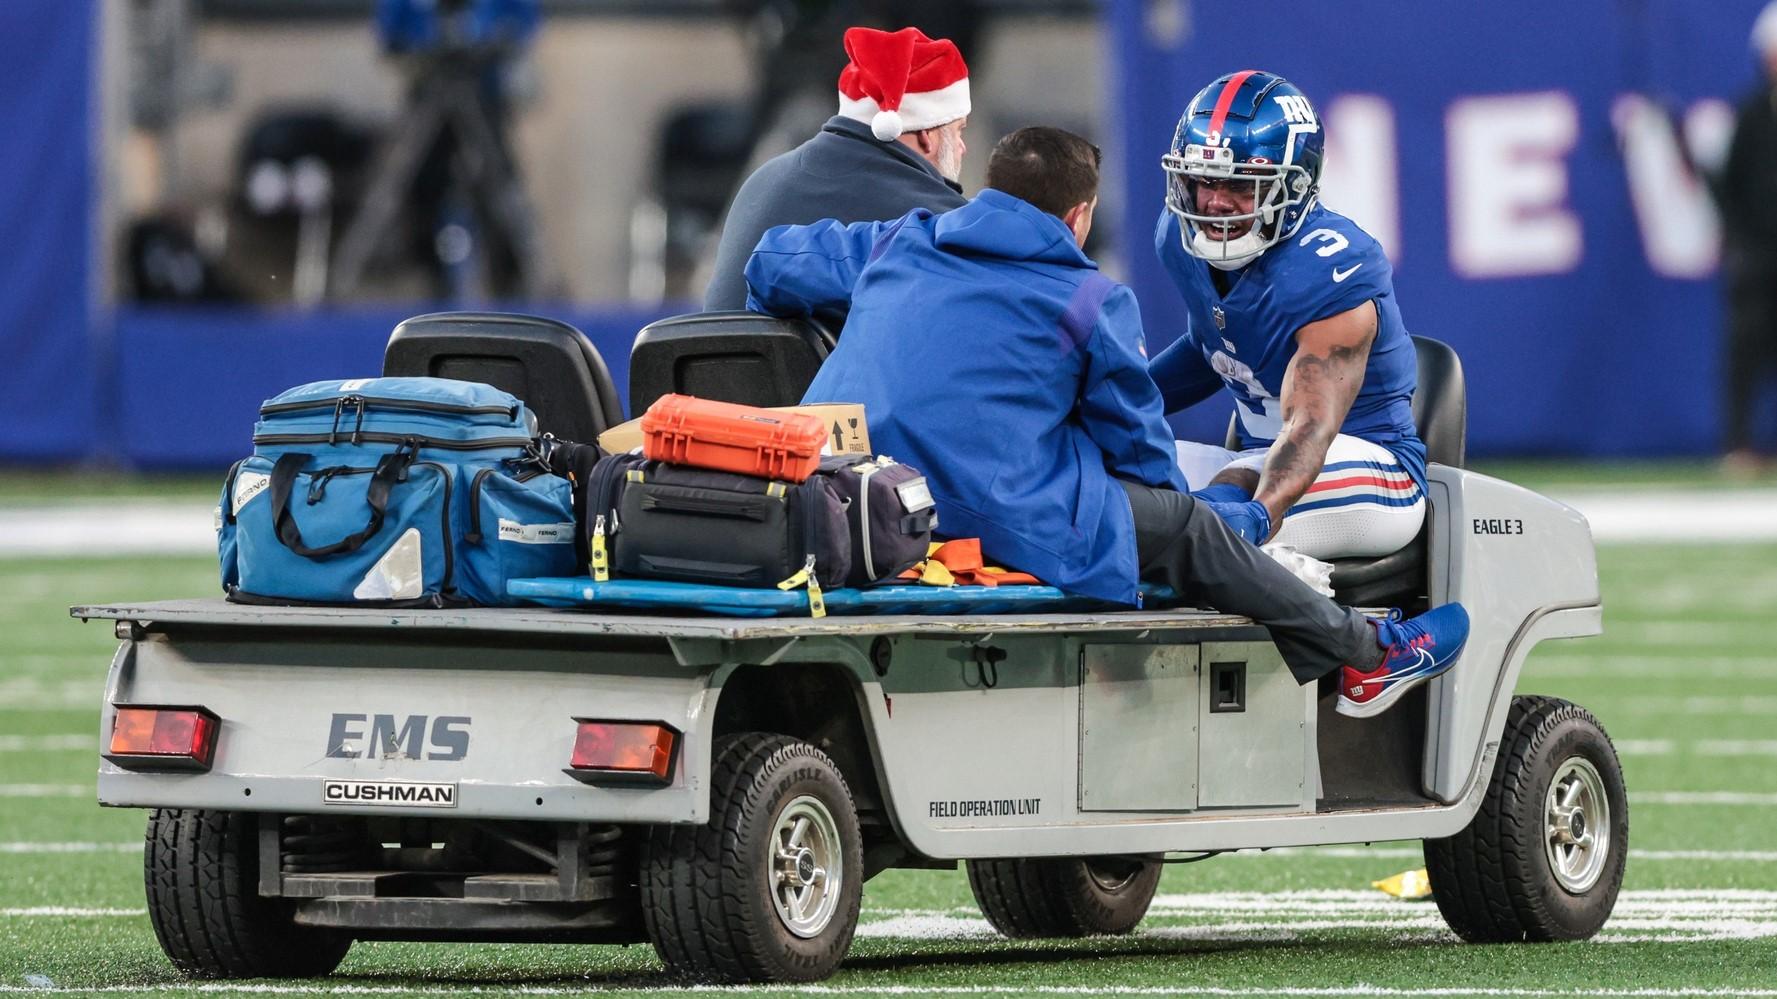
(769, 889)
(1064, 896)
(1544, 857)
(201, 869)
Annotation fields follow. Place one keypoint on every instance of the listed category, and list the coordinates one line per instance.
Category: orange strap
(959, 563)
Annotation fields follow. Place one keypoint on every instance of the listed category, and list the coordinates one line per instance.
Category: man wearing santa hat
(895, 145)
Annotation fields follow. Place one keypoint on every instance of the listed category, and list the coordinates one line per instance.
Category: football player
(1291, 308)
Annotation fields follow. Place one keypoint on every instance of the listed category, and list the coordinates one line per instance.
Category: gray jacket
(842, 173)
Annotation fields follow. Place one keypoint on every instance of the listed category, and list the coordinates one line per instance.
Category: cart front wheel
(1543, 858)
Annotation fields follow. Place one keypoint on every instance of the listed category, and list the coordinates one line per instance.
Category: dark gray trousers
(1751, 344)
(1182, 543)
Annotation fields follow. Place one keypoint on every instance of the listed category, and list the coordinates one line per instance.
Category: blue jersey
(1244, 340)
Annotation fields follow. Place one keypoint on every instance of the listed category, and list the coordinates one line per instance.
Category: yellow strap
(775, 490)
(936, 573)
(635, 475)
(796, 580)
(817, 606)
(601, 563)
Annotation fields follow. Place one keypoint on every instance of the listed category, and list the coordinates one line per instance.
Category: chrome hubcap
(807, 866)
(1578, 825)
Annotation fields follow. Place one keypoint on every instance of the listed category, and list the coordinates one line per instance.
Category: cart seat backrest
(1440, 405)
(545, 362)
(739, 357)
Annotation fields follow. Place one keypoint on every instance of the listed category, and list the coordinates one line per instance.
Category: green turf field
(1683, 680)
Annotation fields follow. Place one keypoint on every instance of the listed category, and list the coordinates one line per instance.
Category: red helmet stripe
(1226, 100)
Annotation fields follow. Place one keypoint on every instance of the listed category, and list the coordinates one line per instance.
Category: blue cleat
(1418, 649)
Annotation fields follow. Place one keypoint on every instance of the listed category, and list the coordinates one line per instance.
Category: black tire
(201, 869)
(1064, 896)
(709, 892)
(1495, 881)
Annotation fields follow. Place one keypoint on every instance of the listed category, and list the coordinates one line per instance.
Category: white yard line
(1736, 747)
(1689, 634)
(1640, 917)
(1429, 928)
(1645, 747)
(1644, 515)
(166, 527)
(1755, 798)
(1664, 901)
(1574, 661)
(46, 743)
(46, 790)
(1639, 704)
(1734, 856)
(64, 911)
(28, 693)
(1702, 747)
(1410, 853)
(46, 848)
(1359, 989)
(134, 527)
(1330, 852)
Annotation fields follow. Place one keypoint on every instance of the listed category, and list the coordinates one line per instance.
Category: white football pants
(1363, 503)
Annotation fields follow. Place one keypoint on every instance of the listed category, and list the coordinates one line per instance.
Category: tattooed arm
(1318, 388)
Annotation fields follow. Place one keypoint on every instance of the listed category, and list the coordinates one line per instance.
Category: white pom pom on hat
(886, 125)
(902, 81)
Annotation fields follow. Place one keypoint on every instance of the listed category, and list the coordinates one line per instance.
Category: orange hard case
(730, 437)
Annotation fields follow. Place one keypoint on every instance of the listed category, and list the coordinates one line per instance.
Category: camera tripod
(448, 102)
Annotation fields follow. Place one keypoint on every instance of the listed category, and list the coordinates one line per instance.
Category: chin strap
(1227, 255)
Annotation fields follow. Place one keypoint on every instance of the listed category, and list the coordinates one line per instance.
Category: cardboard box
(846, 429)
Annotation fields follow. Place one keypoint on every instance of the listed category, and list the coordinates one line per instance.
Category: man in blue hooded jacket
(990, 353)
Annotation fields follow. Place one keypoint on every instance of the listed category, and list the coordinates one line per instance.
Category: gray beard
(950, 160)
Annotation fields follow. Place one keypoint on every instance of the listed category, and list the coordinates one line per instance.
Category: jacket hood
(996, 224)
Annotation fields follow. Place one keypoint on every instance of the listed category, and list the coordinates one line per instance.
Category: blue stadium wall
(49, 358)
(1536, 221)
(1542, 221)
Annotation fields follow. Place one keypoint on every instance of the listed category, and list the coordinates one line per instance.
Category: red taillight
(170, 737)
(623, 751)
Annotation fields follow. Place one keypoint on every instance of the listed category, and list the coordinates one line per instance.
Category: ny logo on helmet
(1296, 109)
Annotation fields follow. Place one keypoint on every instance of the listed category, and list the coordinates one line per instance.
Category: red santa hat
(902, 81)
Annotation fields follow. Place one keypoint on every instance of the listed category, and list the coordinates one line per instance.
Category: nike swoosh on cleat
(1419, 666)
(1340, 275)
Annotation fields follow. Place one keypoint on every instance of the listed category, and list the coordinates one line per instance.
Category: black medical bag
(856, 521)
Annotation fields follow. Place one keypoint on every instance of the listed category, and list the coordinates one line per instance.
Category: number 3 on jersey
(1334, 242)
(1260, 412)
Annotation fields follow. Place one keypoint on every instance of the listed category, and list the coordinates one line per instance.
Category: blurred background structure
(207, 201)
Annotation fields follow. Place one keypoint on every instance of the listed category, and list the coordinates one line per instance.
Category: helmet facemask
(1282, 193)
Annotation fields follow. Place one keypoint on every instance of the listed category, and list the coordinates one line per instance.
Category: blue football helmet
(1247, 127)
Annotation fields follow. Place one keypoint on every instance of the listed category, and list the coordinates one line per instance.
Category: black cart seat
(739, 357)
(545, 362)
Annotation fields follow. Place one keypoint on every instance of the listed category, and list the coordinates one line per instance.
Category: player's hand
(1249, 520)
